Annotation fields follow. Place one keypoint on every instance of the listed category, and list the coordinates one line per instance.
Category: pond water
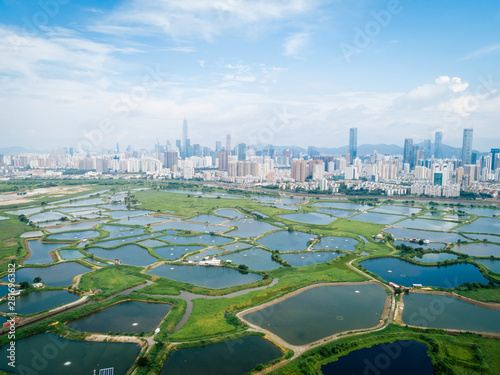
(404, 273)
(125, 233)
(38, 301)
(57, 275)
(127, 213)
(75, 226)
(35, 233)
(123, 317)
(371, 217)
(343, 205)
(492, 265)
(175, 252)
(424, 235)
(256, 259)
(183, 225)
(46, 216)
(202, 254)
(206, 239)
(425, 246)
(70, 254)
(479, 249)
(433, 214)
(54, 355)
(83, 202)
(322, 311)
(260, 214)
(336, 243)
(115, 228)
(411, 359)
(482, 225)
(336, 212)
(306, 259)
(436, 311)
(40, 251)
(433, 257)
(481, 211)
(480, 237)
(284, 206)
(235, 357)
(399, 210)
(208, 277)
(309, 218)
(286, 241)
(293, 200)
(25, 211)
(265, 198)
(237, 246)
(209, 219)
(142, 220)
(250, 228)
(74, 235)
(122, 241)
(426, 224)
(152, 243)
(133, 255)
(457, 217)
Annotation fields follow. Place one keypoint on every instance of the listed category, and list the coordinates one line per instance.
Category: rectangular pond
(76, 226)
(343, 205)
(177, 251)
(74, 235)
(128, 254)
(336, 212)
(478, 249)
(481, 237)
(41, 300)
(492, 265)
(183, 225)
(57, 356)
(482, 225)
(425, 246)
(208, 219)
(255, 259)
(336, 243)
(435, 257)
(398, 210)
(224, 358)
(286, 240)
(60, 274)
(306, 259)
(373, 217)
(309, 218)
(70, 254)
(437, 311)
(404, 273)
(321, 312)
(205, 276)
(247, 228)
(427, 224)
(123, 317)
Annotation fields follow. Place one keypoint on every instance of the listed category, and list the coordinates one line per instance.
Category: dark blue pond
(57, 275)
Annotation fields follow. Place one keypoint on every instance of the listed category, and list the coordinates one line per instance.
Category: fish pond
(478, 249)
(376, 218)
(336, 243)
(406, 357)
(437, 311)
(255, 259)
(206, 276)
(403, 233)
(427, 224)
(74, 235)
(175, 252)
(250, 228)
(492, 265)
(286, 240)
(425, 246)
(482, 225)
(404, 273)
(236, 357)
(54, 355)
(40, 251)
(306, 259)
(133, 255)
(123, 317)
(398, 210)
(41, 300)
(57, 275)
(309, 218)
(322, 311)
(435, 257)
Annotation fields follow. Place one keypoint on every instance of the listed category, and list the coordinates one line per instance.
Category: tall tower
(467, 147)
(228, 144)
(184, 132)
(353, 142)
(408, 153)
(438, 142)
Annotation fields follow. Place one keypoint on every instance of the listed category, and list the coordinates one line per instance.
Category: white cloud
(295, 44)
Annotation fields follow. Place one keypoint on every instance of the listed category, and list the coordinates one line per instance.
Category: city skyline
(283, 73)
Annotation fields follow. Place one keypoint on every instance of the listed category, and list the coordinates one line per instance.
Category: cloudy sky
(93, 73)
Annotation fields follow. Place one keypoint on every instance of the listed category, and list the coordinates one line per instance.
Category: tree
(24, 285)
(37, 280)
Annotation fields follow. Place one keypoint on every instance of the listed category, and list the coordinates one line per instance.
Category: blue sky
(287, 72)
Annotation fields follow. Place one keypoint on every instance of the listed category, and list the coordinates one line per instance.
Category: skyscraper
(299, 170)
(228, 144)
(408, 153)
(467, 147)
(494, 158)
(184, 132)
(353, 142)
(438, 142)
(242, 152)
(427, 149)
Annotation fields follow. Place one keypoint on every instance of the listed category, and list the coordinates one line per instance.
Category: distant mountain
(14, 150)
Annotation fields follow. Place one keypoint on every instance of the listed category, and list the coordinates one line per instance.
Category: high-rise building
(218, 146)
(408, 153)
(228, 144)
(467, 147)
(353, 142)
(184, 132)
(427, 149)
(242, 152)
(299, 170)
(438, 145)
(494, 158)
(171, 162)
(223, 161)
